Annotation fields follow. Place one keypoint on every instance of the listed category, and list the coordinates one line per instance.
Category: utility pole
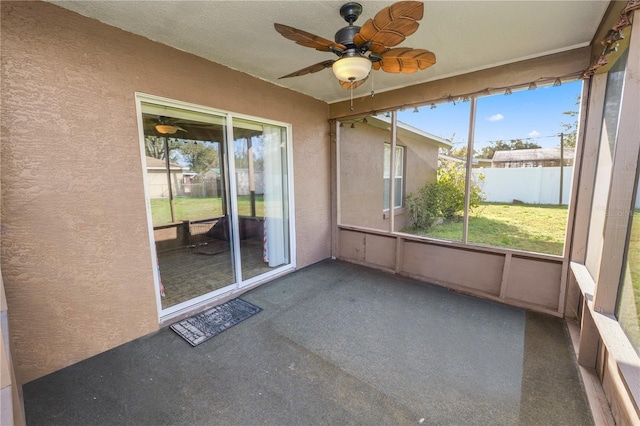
(561, 167)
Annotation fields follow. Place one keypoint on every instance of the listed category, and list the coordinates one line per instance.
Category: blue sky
(535, 114)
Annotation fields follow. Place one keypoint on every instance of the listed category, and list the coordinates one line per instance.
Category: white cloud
(496, 117)
(534, 134)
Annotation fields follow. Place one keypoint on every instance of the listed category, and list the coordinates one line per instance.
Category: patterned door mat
(205, 325)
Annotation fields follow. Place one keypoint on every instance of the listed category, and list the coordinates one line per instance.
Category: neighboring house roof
(157, 163)
(539, 154)
(403, 128)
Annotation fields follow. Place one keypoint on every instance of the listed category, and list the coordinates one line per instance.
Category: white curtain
(276, 247)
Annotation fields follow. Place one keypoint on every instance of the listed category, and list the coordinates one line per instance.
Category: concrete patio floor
(336, 343)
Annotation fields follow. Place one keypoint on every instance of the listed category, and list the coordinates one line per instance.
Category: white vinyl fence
(531, 185)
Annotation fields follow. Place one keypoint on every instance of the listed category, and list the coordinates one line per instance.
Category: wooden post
(622, 185)
(392, 172)
(467, 193)
(334, 139)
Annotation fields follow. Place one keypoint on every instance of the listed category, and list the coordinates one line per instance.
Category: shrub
(443, 198)
(423, 208)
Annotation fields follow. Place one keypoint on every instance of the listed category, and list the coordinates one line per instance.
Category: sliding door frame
(240, 285)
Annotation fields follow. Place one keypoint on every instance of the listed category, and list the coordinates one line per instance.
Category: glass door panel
(260, 155)
(188, 190)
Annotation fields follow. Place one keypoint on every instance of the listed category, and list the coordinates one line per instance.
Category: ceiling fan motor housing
(345, 36)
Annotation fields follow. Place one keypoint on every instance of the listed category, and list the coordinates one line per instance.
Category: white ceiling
(465, 35)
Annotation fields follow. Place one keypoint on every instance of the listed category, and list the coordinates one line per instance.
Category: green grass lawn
(633, 256)
(536, 228)
(630, 317)
(188, 208)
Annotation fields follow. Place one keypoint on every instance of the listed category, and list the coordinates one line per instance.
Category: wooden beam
(586, 161)
(518, 73)
(623, 179)
(392, 172)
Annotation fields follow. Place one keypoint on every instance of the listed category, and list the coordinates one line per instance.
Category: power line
(528, 138)
(524, 139)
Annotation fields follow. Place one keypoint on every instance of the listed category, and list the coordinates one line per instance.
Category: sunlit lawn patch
(536, 228)
(187, 208)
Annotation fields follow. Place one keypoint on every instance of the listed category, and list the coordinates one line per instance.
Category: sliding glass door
(262, 196)
(218, 196)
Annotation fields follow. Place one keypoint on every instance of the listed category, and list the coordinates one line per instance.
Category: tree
(514, 144)
(570, 129)
(200, 156)
(154, 147)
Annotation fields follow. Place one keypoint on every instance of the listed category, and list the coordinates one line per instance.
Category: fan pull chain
(372, 91)
(351, 105)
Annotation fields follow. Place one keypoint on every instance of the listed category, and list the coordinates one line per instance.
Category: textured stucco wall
(361, 166)
(361, 158)
(76, 256)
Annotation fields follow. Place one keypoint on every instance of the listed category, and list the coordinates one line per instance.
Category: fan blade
(405, 60)
(346, 85)
(306, 39)
(390, 26)
(311, 69)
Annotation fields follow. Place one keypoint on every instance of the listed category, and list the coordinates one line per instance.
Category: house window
(398, 178)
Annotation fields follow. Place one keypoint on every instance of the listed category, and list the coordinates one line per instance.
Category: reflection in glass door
(188, 191)
(218, 190)
(260, 153)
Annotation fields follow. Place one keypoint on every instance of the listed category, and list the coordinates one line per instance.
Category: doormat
(205, 325)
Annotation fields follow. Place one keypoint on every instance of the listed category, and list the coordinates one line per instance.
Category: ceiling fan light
(166, 129)
(352, 68)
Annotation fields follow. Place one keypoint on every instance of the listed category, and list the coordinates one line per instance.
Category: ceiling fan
(165, 126)
(360, 49)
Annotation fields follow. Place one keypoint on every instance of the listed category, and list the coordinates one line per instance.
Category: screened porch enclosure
(440, 229)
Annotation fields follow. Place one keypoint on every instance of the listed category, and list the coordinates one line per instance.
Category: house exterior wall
(157, 186)
(76, 255)
(361, 168)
